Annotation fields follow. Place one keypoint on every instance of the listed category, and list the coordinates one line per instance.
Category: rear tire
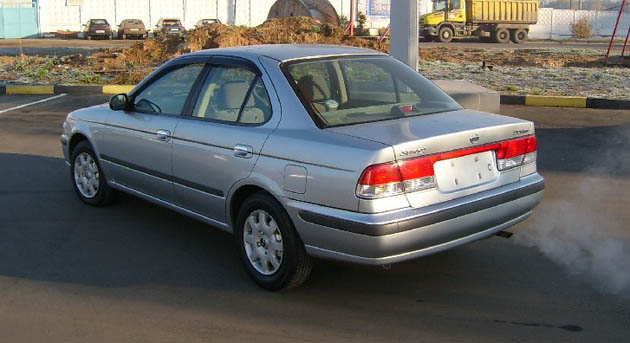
(445, 34)
(518, 36)
(269, 247)
(501, 36)
(87, 177)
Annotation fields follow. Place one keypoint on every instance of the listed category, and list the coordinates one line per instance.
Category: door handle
(163, 135)
(243, 151)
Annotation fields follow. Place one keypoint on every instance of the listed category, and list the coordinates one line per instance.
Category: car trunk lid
(471, 168)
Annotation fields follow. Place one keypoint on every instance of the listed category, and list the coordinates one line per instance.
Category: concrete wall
(70, 14)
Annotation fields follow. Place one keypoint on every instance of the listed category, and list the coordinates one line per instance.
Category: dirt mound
(296, 30)
(132, 64)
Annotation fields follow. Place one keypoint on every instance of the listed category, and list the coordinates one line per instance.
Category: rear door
(220, 139)
(138, 143)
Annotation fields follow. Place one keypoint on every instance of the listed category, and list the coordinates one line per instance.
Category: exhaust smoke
(578, 235)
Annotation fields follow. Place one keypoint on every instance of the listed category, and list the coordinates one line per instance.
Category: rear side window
(359, 89)
(168, 93)
(234, 95)
(368, 82)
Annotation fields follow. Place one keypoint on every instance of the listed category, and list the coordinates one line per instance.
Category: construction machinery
(499, 20)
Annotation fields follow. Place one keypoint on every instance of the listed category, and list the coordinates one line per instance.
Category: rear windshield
(360, 89)
(99, 22)
(133, 22)
(170, 23)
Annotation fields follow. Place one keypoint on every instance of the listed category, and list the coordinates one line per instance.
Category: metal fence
(556, 24)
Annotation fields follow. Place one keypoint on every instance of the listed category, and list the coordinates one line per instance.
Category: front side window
(168, 93)
(232, 94)
(439, 5)
(351, 90)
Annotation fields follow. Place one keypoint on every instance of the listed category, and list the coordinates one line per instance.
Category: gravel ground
(541, 77)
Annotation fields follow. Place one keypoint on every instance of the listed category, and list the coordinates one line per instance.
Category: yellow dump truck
(499, 20)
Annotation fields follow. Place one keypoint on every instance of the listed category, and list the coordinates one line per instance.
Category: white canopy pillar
(404, 31)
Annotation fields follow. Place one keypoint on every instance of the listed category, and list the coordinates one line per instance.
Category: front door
(138, 143)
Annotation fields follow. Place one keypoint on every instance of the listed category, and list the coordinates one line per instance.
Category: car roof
(286, 52)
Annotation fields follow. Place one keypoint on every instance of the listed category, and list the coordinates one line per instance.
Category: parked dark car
(132, 28)
(167, 27)
(206, 22)
(97, 28)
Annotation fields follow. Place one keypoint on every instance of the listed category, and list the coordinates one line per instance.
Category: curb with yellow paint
(116, 89)
(555, 101)
(507, 99)
(20, 89)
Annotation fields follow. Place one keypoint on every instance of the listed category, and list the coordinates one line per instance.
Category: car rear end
(100, 28)
(453, 175)
(133, 28)
(173, 28)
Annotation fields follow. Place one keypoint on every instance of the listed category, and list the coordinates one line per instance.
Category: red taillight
(516, 147)
(379, 174)
(516, 152)
(416, 174)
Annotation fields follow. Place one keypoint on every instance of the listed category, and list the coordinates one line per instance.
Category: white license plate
(465, 172)
(136, 30)
(100, 31)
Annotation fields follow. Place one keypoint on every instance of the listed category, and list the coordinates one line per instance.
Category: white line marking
(33, 103)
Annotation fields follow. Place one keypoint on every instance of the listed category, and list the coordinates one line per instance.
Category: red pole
(385, 33)
(625, 42)
(352, 17)
(615, 30)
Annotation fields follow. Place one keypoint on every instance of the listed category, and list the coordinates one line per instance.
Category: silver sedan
(308, 151)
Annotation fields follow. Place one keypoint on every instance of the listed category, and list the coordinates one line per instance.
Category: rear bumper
(104, 34)
(405, 234)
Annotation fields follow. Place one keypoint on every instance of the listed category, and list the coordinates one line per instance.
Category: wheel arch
(76, 138)
(256, 182)
(446, 24)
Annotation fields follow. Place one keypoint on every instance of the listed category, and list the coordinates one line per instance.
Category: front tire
(87, 177)
(445, 34)
(269, 247)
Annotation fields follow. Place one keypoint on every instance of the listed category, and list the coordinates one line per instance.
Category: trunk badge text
(520, 132)
(416, 151)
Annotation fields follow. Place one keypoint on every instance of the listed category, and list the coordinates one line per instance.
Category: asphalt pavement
(136, 272)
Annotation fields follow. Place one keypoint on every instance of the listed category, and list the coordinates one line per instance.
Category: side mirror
(119, 102)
